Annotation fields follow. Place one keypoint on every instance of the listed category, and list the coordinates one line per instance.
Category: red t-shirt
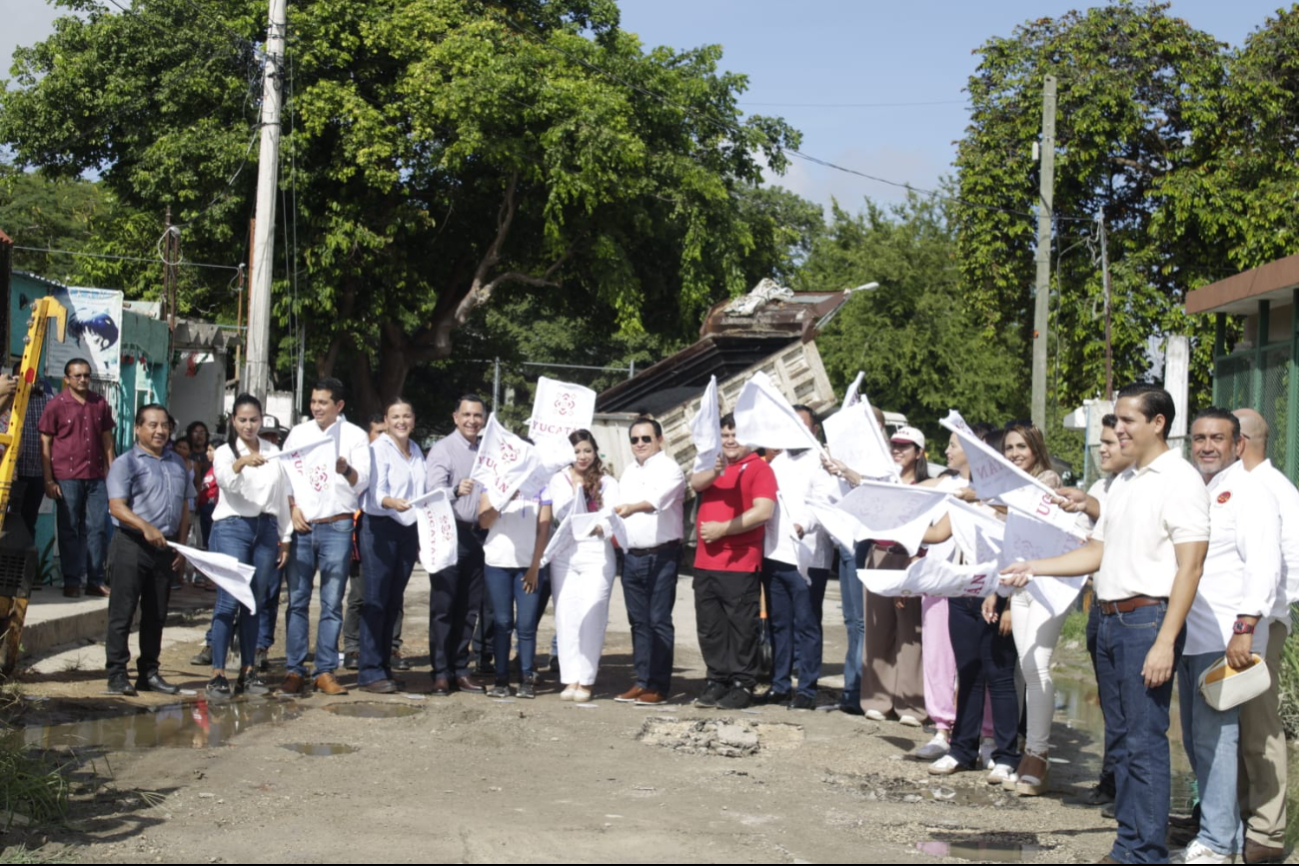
(728, 498)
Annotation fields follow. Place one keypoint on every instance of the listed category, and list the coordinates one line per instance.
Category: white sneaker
(985, 753)
(581, 695)
(1001, 774)
(567, 693)
(945, 766)
(876, 716)
(935, 748)
(1199, 853)
(909, 721)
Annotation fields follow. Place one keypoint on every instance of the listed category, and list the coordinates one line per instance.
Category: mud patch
(875, 788)
(373, 710)
(996, 848)
(726, 738)
(320, 750)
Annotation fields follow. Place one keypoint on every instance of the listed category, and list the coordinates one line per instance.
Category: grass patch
(32, 790)
(22, 854)
(1075, 628)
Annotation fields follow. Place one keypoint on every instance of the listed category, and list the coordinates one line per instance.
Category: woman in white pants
(1036, 630)
(581, 573)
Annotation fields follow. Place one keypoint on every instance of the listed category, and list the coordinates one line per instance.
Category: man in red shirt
(76, 450)
(736, 499)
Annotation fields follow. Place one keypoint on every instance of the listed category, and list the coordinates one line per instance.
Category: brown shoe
(441, 687)
(72, 592)
(292, 684)
(630, 696)
(650, 699)
(380, 687)
(1256, 852)
(97, 591)
(466, 684)
(328, 684)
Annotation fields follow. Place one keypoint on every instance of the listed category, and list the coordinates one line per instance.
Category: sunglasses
(641, 440)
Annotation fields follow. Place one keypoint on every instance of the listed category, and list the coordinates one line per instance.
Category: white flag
(977, 534)
(1028, 537)
(310, 470)
(933, 576)
(1036, 500)
(303, 449)
(991, 474)
(439, 546)
(851, 396)
(899, 513)
(706, 429)
(559, 408)
(765, 419)
(504, 463)
(230, 574)
(839, 525)
(584, 523)
(855, 438)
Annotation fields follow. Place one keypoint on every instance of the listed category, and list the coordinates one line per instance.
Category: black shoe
(500, 690)
(1107, 811)
(399, 662)
(738, 698)
(218, 688)
(553, 666)
(155, 683)
(713, 693)
(120, 685)
(263, 660)
(485, 668)
(1098, 796)
(803, 702)
(526, 690)
(251, 683)
(852, 709)
(203, 659)
(352, 661)
(776, 698)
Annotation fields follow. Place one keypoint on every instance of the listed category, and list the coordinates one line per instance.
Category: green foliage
(922, 348)
(1135, 85)
(30, 786)
(50, 214)
(437, 151)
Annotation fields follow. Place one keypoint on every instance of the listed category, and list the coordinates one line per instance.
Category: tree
(436, 151)
(47, 214)
(921, 347)
(1134, 86)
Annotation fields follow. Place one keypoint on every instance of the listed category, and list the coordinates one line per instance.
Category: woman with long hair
(1036, 629)
(581, 574)
(389, 542)
(252, 523)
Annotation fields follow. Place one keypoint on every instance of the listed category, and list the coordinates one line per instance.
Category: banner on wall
(93, 332)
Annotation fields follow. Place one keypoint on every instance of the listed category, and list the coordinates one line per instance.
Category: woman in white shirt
(251, 523)
(389, 541)
(581, 572)
(516, 539)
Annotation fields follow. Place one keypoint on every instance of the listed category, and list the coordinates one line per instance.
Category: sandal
(1033, 771)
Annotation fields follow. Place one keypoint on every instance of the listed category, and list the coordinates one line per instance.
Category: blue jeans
(1106, 782)
(649, 586)
(253, 541)
(854, 620)
(985, 664)
(270, 614)
(505, 587)
(83, 531)
(328, 546)
(1137, 717)
(793, 613)
(388, 554)
(1212, 742)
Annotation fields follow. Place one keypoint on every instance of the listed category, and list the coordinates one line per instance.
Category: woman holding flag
(251, 522)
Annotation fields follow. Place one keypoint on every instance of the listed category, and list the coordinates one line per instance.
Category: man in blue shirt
(148, 491)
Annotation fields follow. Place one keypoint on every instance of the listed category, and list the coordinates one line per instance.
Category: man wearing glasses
(652, 491)
(76, 451)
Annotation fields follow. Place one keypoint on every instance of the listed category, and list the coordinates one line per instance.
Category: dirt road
(468, 779)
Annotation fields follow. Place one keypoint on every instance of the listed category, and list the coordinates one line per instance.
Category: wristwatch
(1242, 627)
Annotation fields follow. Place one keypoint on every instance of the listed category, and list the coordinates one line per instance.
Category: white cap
(1224, 687)
(911, 435)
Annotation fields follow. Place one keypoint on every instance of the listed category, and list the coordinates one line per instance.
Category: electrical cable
(182, 264)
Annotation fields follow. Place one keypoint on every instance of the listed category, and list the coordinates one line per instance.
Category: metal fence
(1263, 379)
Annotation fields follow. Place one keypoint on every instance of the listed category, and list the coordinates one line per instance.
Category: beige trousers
(893, 670)
(1262, 779)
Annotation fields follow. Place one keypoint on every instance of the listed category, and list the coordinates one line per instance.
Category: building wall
(1265, 377)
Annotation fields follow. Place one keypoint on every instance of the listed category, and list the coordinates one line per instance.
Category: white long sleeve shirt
(1243, 566)
(1287, 500)
(796, 483)
(255, 490)
(393, 474)
(335, 496)
(660, 482)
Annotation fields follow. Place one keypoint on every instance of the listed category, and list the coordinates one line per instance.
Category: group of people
(1189, 564)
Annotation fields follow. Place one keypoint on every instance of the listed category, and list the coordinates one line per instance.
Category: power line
(123, 258)
(854, 104)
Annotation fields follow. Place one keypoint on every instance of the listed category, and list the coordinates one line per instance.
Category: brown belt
(334, 519)
(1127, 605)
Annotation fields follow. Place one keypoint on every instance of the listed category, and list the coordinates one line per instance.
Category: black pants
(352, 616)
(727, 611)
(140, 576)
(985, 663)
(455, 598)
(30, 505)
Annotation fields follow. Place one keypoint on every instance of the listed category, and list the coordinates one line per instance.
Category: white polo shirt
(660, 482)
(1287, 499)
(1243, 566)
(1148, 512)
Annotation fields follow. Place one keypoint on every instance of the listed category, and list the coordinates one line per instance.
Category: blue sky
(832, 51)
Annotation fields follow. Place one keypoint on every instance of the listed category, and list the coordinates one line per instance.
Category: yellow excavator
(17, 547)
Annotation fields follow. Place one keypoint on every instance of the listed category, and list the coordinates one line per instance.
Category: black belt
(649, 551)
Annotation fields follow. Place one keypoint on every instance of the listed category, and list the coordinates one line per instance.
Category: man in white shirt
(1262, 784)
(1241, 572)
(652, 492)
(1147, 555)
(323, 507)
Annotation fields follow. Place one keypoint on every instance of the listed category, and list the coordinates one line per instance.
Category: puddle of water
(193, 725)
(373, 710)
(320, 750)
(979, 850)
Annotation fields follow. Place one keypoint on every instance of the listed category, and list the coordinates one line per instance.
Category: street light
(848, 293)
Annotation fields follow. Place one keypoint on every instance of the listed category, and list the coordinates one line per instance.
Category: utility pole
(170, 252)
(258, 379)
(1042, 299)
(1105, 276)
